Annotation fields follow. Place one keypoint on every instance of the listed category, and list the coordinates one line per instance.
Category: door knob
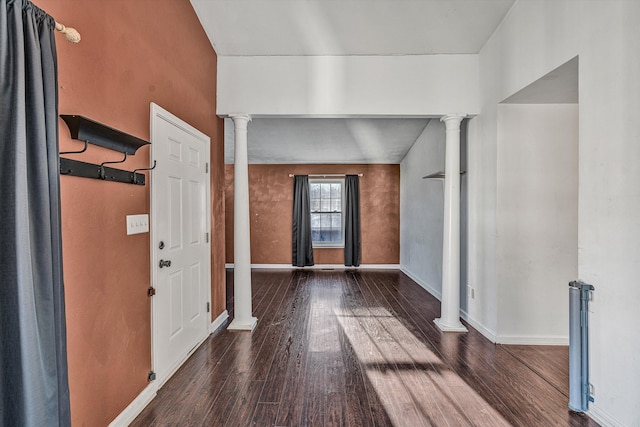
(164, 263)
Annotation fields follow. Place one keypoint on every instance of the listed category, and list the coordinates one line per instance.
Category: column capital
(240, 117)
(452, 119)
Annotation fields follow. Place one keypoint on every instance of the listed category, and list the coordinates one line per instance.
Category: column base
(456, 327)
(243, 325)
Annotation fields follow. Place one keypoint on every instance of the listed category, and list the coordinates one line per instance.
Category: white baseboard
(377, 267)
(146, 396)
(218, 321)
(532, 339)
(322, 266)
(270, 266)
(433, 291)
(602, 417)
(488, 333)
(134, 409)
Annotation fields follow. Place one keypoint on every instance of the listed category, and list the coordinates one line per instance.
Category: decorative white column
(449, 320)
(242, 310)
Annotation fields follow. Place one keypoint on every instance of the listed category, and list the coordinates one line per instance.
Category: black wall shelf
(439, 175)
(95, 133)
(92, 132)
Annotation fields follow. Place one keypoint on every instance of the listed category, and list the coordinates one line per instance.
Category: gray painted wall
(422, 210)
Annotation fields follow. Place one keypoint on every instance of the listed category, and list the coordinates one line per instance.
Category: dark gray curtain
(302, 248)
(34, 388)
(352, 221)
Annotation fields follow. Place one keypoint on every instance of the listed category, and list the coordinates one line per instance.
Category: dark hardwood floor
(359, 348)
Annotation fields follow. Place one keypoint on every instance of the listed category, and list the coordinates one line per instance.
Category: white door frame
(159, 113)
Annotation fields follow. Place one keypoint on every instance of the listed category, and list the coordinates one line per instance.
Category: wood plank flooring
(359, 348)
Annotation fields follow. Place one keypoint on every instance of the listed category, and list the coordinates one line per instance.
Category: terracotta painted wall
(271, 206)
(131, 53)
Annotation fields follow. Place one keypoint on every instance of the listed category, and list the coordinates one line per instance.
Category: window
(327, 225)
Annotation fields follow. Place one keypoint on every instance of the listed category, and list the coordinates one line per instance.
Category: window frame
(339, 244)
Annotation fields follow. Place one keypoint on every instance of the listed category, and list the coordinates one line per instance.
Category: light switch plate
(137, 224)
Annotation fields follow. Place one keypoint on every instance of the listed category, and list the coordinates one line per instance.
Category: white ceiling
(349, 27)
(326, 141)
(342, 27)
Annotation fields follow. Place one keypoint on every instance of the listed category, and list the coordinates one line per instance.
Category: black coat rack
(92, 132)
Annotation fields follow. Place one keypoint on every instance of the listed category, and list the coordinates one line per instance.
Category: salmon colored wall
(131, 53)
(271, 208)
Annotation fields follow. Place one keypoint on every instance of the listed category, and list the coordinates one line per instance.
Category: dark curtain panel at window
(34, 388)
(352, 221)
(302, 245)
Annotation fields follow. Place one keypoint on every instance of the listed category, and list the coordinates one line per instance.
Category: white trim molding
(532, 339)
(433, 291)
(219, 321)
(134, 409)
(488, 333)
(322, 267)
(602, 417)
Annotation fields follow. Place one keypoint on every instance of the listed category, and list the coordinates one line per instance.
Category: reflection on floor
(351, 348)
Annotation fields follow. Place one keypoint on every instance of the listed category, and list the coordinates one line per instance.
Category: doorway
(180, 235)
(537, 208)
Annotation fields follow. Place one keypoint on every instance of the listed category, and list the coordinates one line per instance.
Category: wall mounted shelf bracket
(90, 170)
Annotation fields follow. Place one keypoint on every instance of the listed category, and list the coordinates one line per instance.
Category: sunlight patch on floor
(414, 386)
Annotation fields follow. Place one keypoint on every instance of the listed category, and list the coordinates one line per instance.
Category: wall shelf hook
(102, 175)
(135, 173)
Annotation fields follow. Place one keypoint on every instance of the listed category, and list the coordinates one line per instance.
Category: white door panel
(180, 220)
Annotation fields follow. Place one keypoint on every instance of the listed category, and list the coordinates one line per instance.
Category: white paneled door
(180, 250)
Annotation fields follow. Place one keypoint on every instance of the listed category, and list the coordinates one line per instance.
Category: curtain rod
(71, 34)
(326, 175)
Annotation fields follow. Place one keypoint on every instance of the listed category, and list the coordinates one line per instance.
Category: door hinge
(208, 307)
(151, 376)
(206, 237)
(151, 291)
(206, 168)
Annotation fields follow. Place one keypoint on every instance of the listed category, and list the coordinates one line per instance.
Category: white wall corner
(219, 321)
(134, 409)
